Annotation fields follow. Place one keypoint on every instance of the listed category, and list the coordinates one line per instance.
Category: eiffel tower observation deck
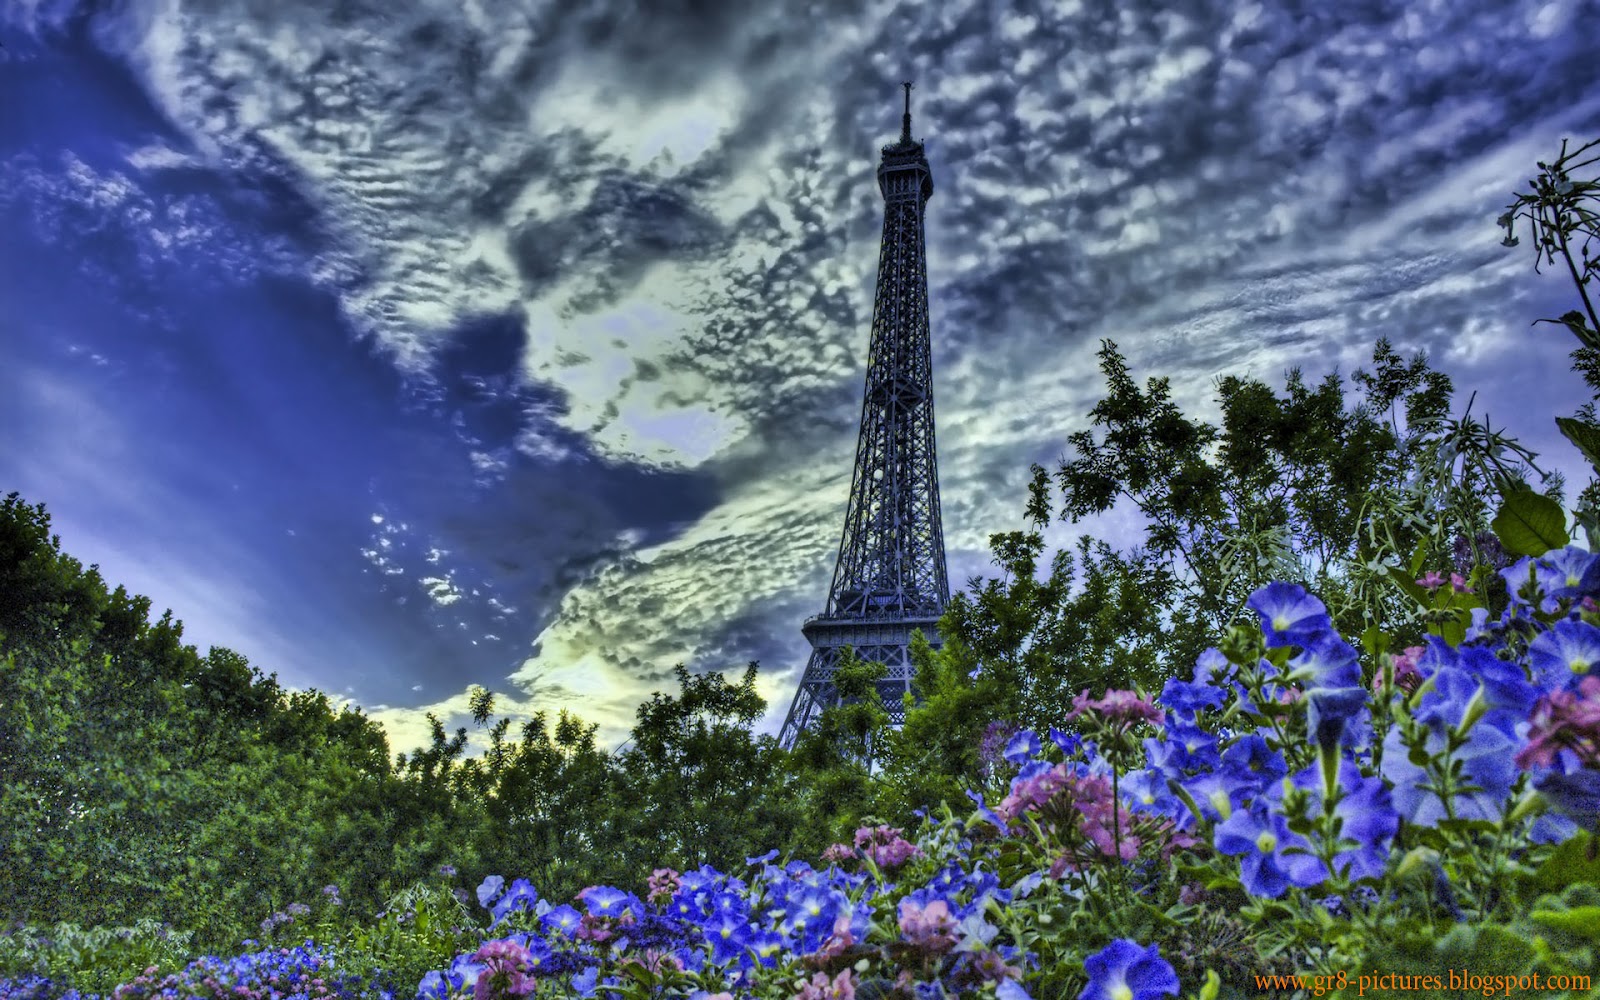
(890, 580)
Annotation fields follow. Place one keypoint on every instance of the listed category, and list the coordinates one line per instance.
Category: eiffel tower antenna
(890, 578)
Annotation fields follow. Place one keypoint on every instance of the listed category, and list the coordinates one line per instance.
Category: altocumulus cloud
(674, 204)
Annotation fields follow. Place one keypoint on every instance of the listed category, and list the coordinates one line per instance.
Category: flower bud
(1531, 804)
(1476, 707)
(1417, 859)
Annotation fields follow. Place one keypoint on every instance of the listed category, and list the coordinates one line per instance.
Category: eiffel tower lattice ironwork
(890, 579)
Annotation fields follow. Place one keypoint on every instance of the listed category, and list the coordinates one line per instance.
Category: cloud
(671, 215)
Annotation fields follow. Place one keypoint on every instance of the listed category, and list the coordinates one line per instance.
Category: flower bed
(1292, 808)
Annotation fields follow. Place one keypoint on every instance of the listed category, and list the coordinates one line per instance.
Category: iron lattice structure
(890, 579)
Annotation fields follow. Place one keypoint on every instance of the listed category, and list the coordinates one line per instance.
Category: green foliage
(94, 960)
(422, 927)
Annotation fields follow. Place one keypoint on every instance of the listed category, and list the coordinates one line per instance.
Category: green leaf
(1569, 864)
(1582, 920)
(1212, 985)
(1529, 524)
(1584, 435)
(1416, 560)
(1375, 640)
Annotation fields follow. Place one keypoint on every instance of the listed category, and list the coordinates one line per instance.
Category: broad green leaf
(1584, 920)
(1375, 640)
(1529, 524)
(1570, 864)
(1584, 435)
(1416, 559)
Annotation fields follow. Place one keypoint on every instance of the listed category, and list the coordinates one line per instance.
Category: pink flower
(1406, 674)
(929, 927)
(840, 940)
(841, 987)
(993, 968)
(1032, 792)
(883, 845)
(1458, 584)
(838, 854)
(663, 883)
(1125, 707)
(1431, 581)
(1564, 720)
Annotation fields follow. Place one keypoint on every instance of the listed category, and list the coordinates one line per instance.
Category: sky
(407, 347)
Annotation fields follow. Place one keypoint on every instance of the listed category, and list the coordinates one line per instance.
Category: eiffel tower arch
(890, 578)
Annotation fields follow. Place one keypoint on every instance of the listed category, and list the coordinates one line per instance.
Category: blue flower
(1485, 763)
(1329, 661)
(563, 918)
(1010, 990)
(1268, 866)
(520, 897)
(1329, 711)
(1147, 791)
(1288, 614)
(1185, 748)
(1575, 795)
(585, 981)
(1568, 573)
(1124, 971)
(1568, 651)
(1067, 742)
(489, 889)
(986, 812)
(1367, 818)
(1023, 747)
(1505, 684)
(1219, 793)
(1213, 669)
(728, 934)
(604, 901)
(1254, 760)
(1189, 697)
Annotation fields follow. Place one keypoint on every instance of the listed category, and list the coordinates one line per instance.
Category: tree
(1561, 215)
(1298, 487)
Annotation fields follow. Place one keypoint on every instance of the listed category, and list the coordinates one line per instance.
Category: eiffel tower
(890, 579)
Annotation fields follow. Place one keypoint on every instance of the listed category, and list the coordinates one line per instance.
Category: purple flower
(1124, 971)
(1268, 866)
(1288, 614)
